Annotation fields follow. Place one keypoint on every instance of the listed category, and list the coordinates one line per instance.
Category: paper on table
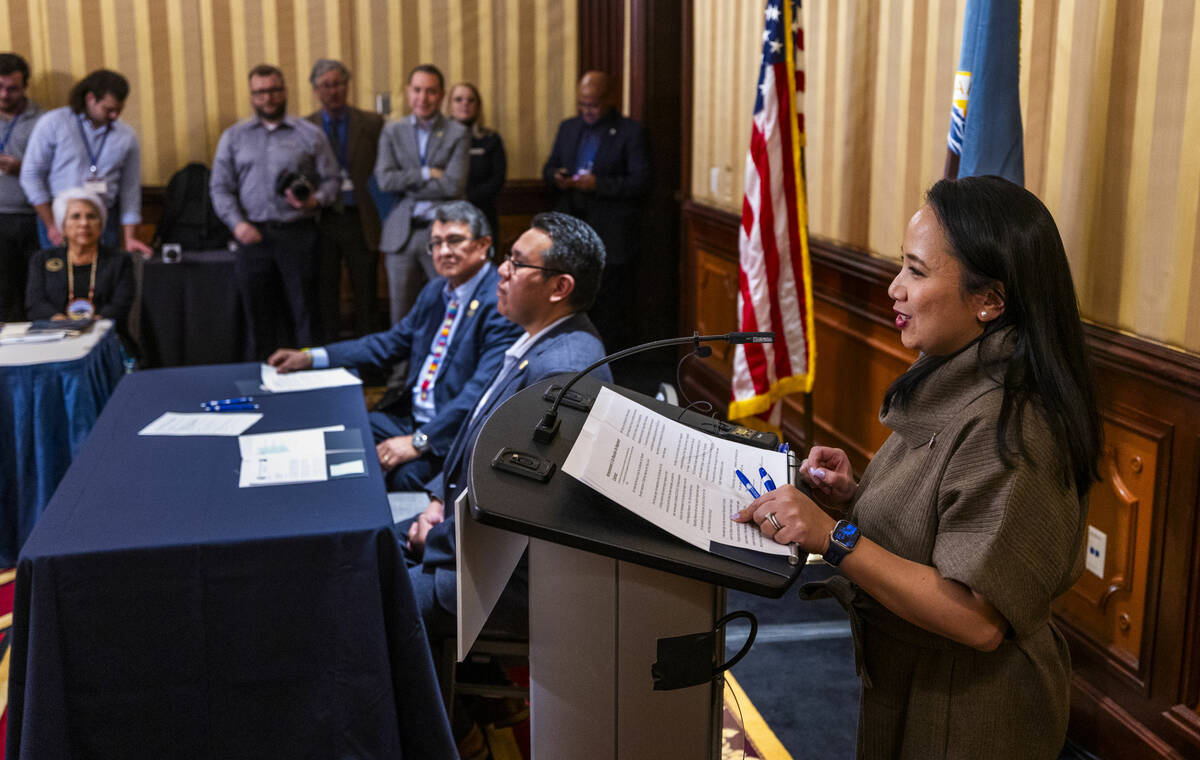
(307, 380)
(287, 456)
(38, 337)
(201, 423)
(680, 479)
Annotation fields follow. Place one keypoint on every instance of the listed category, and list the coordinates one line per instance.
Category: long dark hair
(1001, 233)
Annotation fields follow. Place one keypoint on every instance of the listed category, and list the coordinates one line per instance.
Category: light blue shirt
(423, 209)
(56, 159)
(513, 355)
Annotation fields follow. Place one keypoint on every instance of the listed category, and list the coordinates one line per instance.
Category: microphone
(547, 427)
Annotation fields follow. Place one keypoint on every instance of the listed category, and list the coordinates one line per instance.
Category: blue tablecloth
(46, 412)
(161, 611)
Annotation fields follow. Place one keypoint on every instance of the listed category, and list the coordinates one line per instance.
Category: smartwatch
(842, 541)
(420, 441)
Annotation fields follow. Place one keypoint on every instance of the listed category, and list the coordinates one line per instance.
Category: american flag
(775, 284)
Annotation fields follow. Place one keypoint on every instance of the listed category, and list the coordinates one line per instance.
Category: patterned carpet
(7, 578)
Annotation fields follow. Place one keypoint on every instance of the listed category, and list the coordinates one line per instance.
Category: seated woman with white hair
(80, 279)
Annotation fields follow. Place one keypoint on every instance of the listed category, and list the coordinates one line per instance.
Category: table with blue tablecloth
(162, 611)
(53, 394)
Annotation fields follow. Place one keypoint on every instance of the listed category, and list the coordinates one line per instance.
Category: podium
(604, 586)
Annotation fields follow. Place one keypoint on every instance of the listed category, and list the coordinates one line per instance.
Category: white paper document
(286, 456)
(678, 478)
(307, 380)
(201, 423)
(49, 336)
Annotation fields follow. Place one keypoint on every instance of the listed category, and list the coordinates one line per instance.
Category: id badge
(97, 185)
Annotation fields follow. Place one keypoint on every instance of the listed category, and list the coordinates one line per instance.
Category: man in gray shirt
(18, 223)
(271, 174)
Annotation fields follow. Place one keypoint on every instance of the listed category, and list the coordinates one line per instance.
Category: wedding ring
(774, 523)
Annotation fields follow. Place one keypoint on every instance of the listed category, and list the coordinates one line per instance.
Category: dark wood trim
(602, 38)
(1171, 369)
(686, 99)
(523, 196)
(1101, 724)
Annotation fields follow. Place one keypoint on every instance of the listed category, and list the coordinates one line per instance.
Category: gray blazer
(398, 171)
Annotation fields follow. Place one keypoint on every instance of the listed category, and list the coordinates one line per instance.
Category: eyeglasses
(265, 91)
(518, 265)
(450, 241)
(331, 85)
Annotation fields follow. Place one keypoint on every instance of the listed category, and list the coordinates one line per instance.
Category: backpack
(187, 216)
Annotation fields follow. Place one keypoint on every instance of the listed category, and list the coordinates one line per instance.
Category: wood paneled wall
(1110, 96)
(187, 61)
(1133, 628)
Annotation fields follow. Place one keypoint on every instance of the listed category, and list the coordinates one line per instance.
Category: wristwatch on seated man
(842, 541)
(420, 441)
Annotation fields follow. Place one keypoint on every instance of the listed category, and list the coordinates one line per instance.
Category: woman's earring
(983, 315)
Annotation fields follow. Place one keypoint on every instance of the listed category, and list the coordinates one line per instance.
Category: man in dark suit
(423, 160)
(456, 338)
(599, 172)
(350, 227)
(548, 281)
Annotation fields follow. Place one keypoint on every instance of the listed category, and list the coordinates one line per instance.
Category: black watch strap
(842, 540)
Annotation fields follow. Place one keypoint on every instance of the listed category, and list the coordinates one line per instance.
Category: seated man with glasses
(547, 283)
(455, 327)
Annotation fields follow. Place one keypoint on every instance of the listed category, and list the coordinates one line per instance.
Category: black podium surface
(565, 511)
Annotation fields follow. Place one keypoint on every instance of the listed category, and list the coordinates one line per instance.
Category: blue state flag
(985, 119)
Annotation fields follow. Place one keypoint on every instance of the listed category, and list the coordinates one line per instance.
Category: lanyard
(11, 126)
(91, 285)
(93, 158)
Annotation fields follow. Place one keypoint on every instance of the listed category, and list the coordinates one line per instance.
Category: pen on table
(232, 408)
(794, 557)
(746, 482)
(228, 401)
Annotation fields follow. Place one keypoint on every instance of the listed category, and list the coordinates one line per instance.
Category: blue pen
(794, 551)
(228, 401)
(233, 408)
(767, 482)
(746, 482)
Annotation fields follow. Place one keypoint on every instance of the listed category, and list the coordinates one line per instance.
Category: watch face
(846, 533)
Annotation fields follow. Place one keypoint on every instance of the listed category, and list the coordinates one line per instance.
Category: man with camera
(271, 174)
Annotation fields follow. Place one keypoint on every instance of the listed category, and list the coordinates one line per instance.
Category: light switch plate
(1097, 545)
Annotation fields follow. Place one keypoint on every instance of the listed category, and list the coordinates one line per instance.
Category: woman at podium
(80, 279)
(970, 519)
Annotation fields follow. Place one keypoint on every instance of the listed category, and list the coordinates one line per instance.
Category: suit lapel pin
(524, 363)
(472, 307)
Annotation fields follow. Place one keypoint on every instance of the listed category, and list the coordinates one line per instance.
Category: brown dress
(938, 493)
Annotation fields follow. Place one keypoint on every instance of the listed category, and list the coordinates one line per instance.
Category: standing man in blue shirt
(456, 339)
(85, 145)
(423, 159)
(18, 223)
(350, 227)
(271, 174)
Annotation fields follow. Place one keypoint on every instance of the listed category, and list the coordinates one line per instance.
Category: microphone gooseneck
(547, 428)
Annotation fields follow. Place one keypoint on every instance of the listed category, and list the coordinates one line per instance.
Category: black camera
(299, 185)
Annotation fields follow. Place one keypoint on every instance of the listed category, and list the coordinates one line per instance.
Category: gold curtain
(1110, 98)
(187, 61)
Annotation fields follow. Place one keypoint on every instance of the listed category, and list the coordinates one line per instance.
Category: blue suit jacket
(569, 347)
(622, 171)
(471, 361)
